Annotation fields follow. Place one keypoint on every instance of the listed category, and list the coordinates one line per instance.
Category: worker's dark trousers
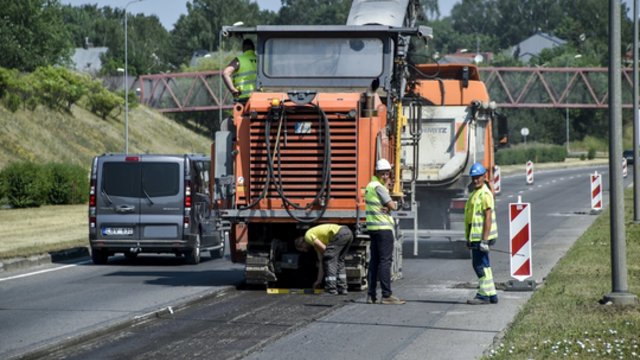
(380, 264)
(335, 276)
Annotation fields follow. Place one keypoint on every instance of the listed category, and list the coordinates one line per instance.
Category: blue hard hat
(477, 169)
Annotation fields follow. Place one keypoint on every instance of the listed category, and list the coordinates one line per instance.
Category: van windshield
(128, 179)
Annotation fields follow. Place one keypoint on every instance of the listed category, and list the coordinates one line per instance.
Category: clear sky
(168, 11)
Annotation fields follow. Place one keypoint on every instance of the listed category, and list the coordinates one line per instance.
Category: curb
(21, 263)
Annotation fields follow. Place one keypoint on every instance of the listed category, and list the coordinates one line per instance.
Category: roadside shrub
(101, 101)
(24, 184)
(12, 102)
(537, 153)
(591, 154)
(66, 184)
(58, 87)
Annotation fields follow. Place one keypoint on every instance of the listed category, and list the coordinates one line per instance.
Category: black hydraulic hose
(325, 183)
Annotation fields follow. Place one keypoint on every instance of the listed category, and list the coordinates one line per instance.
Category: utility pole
(126, 78)
(620, 294)
(636, 119)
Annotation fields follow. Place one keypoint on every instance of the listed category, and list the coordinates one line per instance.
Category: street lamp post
(126, 79)
(566, 116)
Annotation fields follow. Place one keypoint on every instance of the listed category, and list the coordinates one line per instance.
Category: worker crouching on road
(380, 226)
(331, 242)
(481, 231)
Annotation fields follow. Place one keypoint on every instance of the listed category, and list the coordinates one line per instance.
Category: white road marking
(44, 271)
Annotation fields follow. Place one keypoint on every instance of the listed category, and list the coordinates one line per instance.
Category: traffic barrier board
(529, 170)
(596, 192)
(624, 167)
(520, 239)
(497, 181)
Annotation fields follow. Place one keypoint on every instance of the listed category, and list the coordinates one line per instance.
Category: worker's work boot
(478, 301)
(392, 300)
(371, 300)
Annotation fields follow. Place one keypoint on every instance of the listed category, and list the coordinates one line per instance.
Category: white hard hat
(382, 165)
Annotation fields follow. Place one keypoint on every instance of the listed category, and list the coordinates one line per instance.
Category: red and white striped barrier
(520, 239)
(624, 167)
(596, 192)
(497, 181)
(529, 169)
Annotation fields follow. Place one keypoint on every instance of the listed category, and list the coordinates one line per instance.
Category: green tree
(32, 34)
(200, 28)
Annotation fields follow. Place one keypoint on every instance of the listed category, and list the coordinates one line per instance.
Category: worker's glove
(236, 94)
(484, 246)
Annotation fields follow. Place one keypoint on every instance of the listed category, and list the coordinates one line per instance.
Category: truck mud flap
(435, 245)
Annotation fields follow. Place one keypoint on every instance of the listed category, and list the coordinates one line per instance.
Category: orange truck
(330, 102)
(302, 149)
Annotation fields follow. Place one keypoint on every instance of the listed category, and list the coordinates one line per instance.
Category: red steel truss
(184, 92)
(509, 87)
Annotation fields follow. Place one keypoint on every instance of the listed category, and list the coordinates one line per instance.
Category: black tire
(217, 254)
(193, 256)
(99, 256)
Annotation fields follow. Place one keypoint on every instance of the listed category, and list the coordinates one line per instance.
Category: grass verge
(564, 318)
(40, 230)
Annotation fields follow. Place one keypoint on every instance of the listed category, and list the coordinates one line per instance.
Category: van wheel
(217, 254)
(99, 256)
(193, 256)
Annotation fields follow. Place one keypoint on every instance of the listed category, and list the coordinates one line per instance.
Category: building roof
(533, 46)
(88, 60)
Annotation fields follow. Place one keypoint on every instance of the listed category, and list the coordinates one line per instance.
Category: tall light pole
(566, 116)
(636, 119)
(126, 79)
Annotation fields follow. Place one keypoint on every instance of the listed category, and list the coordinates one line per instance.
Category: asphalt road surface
(46, 315)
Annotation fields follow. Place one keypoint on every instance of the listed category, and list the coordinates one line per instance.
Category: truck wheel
(99, 256)
(193, 256)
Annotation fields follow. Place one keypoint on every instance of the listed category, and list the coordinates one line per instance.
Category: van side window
(201, 178)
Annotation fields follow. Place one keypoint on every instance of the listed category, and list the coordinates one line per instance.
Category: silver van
(152, 204)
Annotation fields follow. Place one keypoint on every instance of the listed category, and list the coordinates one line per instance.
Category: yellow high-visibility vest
(376, 219)
(474, 215)
(245, 78)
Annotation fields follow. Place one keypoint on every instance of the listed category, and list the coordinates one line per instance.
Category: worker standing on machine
(380, 226)
(331, 242)
(243, 71)
(481, 232)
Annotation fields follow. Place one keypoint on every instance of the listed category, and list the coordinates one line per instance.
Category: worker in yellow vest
(331, 242)
(240, 75)
(481, 232)
(380, 227)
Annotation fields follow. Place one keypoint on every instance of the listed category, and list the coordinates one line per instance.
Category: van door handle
(125, 209)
